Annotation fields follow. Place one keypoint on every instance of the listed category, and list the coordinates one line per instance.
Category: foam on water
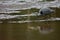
(7, 6)
(36, 4)
(28, 21)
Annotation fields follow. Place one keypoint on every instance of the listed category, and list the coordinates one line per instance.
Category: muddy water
(22, 32)
(31, 31)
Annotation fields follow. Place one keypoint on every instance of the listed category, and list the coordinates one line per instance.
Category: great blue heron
(44, 11)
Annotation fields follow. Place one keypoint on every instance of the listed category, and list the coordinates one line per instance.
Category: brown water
(21, 31)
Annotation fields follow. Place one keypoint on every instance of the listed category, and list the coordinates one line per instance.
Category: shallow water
(22, 32)
(36, 28)
(31, 30)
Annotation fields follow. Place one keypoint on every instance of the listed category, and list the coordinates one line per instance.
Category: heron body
(45, 11)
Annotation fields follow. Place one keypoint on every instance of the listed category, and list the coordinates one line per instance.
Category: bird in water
(45, 11)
